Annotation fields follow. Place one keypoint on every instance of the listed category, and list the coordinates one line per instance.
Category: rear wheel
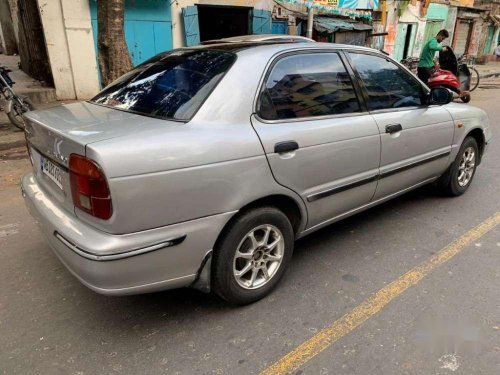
(252, 256)
(459, 176)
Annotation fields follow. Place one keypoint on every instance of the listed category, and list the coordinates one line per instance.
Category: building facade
(68, 29)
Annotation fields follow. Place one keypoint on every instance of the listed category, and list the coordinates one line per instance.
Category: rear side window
(171, 87)
(308, 85)
(388, 86)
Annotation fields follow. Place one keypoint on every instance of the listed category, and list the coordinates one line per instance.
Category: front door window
(388, 86)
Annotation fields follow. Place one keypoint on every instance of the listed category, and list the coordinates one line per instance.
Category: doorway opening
(405, 40)
(218, 22)
(462, 36)
(406, 49)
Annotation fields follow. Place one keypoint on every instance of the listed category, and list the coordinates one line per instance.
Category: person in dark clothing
(426, 63)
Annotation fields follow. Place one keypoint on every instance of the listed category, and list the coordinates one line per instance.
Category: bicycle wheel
(474, 79)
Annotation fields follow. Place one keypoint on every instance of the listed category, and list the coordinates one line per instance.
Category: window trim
(276, 59)
(167, 54)
(425, 89)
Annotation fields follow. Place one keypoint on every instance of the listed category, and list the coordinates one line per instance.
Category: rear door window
(308, 85)
(172, 87)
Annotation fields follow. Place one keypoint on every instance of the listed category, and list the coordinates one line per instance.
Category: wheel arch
(295, 212)
(292, 208)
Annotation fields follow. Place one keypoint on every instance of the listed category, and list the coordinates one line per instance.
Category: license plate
(52, 171)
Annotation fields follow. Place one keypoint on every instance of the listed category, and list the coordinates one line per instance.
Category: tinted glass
(171, 87)
(308, 85)
(388, 85)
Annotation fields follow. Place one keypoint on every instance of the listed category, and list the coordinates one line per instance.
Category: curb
(490, 75)
(39, 96)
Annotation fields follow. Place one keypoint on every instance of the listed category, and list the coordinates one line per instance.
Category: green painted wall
(437, 12)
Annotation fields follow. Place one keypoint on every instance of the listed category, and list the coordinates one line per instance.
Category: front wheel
(459, 176)
(252, 255)
(17, 111)
(474, 79)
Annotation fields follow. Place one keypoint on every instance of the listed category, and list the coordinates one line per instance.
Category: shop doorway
(218, 22)
(463, 32)
(405, 40)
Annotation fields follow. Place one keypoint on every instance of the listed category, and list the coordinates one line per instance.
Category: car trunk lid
(56, 133)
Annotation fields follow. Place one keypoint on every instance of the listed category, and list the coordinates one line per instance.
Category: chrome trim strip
(51, 158)
(363, 207)
(338, 189)
(310, 118)
(414, 164)
(126, 254)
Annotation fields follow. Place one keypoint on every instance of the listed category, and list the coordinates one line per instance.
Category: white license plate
(52, 171)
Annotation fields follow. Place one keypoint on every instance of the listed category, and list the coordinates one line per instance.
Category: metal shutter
(461, 36)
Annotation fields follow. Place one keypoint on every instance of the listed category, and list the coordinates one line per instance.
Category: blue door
(191, 25)
(148, 27)
(279, 27)
(261, 21)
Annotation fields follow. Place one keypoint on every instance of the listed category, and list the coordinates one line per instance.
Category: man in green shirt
(426, 64)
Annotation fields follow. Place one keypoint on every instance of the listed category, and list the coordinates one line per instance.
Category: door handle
(287, 146)
(393, 128)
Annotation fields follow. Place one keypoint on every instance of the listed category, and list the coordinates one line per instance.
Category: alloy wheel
(466, 166)
(258, 257)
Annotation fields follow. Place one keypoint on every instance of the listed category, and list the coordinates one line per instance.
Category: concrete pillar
(70, 46)
(15, 19)
(451, 22)
(81, 47)
(7, 35)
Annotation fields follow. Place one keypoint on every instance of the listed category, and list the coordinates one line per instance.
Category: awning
(332, 25)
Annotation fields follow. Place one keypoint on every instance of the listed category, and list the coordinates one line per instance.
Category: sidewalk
(13, 153)
(25, 85)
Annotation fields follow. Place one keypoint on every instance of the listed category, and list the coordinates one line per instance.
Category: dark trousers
(424, 73)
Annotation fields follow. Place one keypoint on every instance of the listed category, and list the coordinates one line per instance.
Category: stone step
(25, 85)
(38, 96)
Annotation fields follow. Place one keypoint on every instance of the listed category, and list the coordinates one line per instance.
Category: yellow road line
(347, 323)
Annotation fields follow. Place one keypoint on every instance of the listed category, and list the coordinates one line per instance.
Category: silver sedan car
(202, 166)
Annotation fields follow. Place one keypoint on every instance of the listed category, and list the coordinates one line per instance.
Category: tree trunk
(114, 59)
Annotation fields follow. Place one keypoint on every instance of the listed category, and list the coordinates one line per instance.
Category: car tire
(459, 176)
(252, 255)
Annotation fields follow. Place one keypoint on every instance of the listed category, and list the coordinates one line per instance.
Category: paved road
(448, 322)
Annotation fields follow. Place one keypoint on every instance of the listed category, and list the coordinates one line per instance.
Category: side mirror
(440, 96)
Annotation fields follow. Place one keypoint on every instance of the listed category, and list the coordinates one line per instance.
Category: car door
(319, 140)
(416, 138)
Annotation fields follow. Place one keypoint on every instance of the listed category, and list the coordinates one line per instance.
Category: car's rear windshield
(171, 86)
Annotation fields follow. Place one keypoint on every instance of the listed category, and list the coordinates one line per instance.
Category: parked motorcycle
(15, 106)
(452, 74)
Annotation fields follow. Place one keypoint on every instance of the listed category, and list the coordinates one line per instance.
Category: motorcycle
(15, 106)
(452, 74)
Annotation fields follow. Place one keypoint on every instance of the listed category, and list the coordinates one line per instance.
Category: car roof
(275, 46)
(261, 38)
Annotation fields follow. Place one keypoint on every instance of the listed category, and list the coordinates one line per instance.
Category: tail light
(89, 187)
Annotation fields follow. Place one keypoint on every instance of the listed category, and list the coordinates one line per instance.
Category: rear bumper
(157, 259)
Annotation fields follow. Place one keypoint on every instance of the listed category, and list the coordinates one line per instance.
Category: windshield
(171, 86)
